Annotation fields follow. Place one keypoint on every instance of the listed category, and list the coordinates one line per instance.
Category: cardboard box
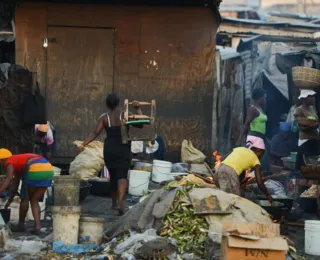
(252, 242)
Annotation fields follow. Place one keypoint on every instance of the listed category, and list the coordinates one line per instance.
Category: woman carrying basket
(307, 118)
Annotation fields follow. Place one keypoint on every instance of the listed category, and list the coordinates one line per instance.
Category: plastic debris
(126, 256)
(60, 248)
(134, 241)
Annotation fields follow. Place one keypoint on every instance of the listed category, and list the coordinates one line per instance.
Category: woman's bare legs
(122, 191)
(119, 187)
(36, 194)
(114, 196)
(23, 210)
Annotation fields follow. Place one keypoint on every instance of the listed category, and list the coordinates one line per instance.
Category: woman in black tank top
(117, 156)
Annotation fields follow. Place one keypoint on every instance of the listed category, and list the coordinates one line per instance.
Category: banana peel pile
(182, 224)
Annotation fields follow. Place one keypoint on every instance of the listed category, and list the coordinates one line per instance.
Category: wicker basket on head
(306, 78)
(306, 121)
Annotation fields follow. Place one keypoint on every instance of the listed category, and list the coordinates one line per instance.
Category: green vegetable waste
(182, 224)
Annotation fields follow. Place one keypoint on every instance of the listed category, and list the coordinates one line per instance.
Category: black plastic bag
(33, 109)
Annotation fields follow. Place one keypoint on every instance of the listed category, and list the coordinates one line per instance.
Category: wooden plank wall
(165, 53)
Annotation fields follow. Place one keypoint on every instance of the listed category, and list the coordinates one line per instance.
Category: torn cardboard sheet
(242, 210)
(257, 230)
(268, 244)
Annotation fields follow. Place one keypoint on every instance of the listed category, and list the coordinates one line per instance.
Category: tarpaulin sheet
(288, 59)
(265, 64)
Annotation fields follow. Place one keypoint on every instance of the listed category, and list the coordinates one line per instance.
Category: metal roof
(276, 29)
(206, 3)
(235, 8)
(227, 53)
(290, 15)
(271, 24)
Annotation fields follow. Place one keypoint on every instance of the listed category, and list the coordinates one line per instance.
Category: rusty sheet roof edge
(204, 3)
(227, 53)
(226, 20)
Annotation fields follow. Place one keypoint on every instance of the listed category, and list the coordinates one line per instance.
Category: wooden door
(79, 74)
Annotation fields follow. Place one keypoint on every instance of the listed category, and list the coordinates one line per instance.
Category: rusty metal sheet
(177, 67)
(80, 73)
(181, 41)
(30, 29)
(230, 107)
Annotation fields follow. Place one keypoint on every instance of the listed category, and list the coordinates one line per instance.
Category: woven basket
(306, 78)
(306, 121)
(311, 172)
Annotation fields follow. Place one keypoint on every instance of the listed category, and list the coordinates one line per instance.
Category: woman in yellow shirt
(238, 161)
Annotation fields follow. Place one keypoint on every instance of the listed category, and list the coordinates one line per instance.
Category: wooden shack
(164, 51)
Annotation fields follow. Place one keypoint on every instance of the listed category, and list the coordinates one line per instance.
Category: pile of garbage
(179, 219)
(30, 247)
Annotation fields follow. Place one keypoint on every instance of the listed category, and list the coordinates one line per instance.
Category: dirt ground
(296, 234)
(101, 206)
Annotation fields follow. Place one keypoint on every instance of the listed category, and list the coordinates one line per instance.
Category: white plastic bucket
(161, 171)
(66, 224)
(42, 206)
(56, 170)
(91, 230)
(15, 208)
(312, 237)
(138, 182)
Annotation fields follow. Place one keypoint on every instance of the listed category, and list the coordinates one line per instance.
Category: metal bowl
(266, 203)
(314, 160)
(181, 167)
(85, 188)
(100, 187)
(277, 209)
(284, 200)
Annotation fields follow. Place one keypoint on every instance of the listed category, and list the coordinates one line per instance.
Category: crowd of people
(299, 133)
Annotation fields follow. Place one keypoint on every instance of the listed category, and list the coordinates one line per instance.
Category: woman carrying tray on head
(117, 156)
(307, 118)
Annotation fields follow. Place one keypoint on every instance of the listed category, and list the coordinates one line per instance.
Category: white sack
(89, 163)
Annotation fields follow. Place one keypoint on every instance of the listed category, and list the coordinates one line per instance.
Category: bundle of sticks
(209, 180)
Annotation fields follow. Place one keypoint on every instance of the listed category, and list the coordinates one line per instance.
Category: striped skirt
(40, 173)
